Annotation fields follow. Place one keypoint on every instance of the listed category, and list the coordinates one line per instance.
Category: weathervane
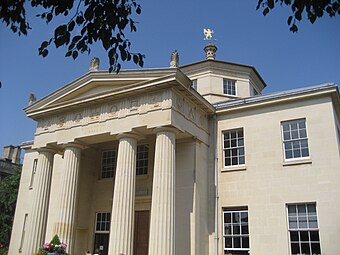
(208, 33)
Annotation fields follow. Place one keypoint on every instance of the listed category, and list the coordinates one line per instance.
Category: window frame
(194, 83)
(114, 166)
(231, 148)
(292, 140)
(105, 231)
(226, 88)
(242, 236)
(145, 166)
(299, 229)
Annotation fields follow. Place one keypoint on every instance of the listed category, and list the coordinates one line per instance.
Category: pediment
(96, 85)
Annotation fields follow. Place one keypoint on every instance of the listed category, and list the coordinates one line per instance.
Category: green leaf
(71, 26)
(289, 21)
(138, 10)
(79, 20)
(135, 59)
(69, 53)
(298, 15)
(49, 17)
(265, 11)
(44, 44)
(75, 54)
(44, 53)
(293, 28)
(271, 4)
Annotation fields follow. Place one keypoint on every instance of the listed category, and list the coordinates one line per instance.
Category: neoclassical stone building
(182, 160)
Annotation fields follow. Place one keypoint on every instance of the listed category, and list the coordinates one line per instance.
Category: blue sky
(284, 60)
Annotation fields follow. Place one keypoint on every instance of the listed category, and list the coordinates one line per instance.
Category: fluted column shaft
(123, 207)
(162, 225)
(41, 197)
(65, 226)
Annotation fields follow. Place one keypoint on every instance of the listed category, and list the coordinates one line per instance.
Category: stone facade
(140, 162)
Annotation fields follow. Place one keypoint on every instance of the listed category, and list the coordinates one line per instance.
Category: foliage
(54, 246)
(8, 197)
(91, 21)
(313, 8)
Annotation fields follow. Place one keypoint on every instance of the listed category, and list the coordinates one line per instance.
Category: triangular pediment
(96, 85)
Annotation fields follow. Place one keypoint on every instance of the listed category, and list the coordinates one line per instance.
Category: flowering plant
(55, 246)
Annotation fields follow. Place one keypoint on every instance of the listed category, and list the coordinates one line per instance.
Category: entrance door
(101, 243)
(142, 228)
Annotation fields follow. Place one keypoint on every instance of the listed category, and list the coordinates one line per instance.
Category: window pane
(302, 222)
(245, 242)
(295, 248)
(228, 242)
(316, 248)
(237, 242)
(297, 153)
(304, 236)
(305, 248)
(314, 235)
(302, 210)
(289, 154)
(313, 223)
(295, 134)
(286, 135)
(244, 230)
(236, 217)
(236, 230)
(294, 236)
(292, 222)
(311, 209)
(227, 218)
(227, 230)
(302, 124)
(291, 210)
(244, 217)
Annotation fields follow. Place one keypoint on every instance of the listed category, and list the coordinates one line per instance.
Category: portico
(81, 124)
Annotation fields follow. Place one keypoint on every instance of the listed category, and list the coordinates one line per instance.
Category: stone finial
(174, 60)
(210, 51)
(31, 99)
(94, 64)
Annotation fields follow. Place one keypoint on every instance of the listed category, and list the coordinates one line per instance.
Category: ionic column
(41, 197)
(162, 225)
(123, 206)
(65, 226)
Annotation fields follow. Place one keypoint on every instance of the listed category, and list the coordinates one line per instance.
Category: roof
(277, 95)
(208, 61)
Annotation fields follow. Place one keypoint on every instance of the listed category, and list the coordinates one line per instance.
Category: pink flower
(46, 246)
(63, 245)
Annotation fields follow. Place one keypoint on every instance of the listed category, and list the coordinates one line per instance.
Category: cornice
(102, 76)
(175, 78)
(280, 97)
(218, 65)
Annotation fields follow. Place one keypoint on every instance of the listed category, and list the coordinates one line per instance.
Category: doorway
(101, 244)
(141, 236)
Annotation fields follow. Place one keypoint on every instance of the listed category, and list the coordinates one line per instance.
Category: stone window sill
(297, 162)
(234, 168)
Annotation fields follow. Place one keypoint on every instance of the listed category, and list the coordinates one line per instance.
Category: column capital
(166, 129)
(75, 145)
(47, 149)
(132, 135)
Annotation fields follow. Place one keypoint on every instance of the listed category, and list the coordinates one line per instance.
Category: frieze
(123, 108)
(105, 111)
(190, 111)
